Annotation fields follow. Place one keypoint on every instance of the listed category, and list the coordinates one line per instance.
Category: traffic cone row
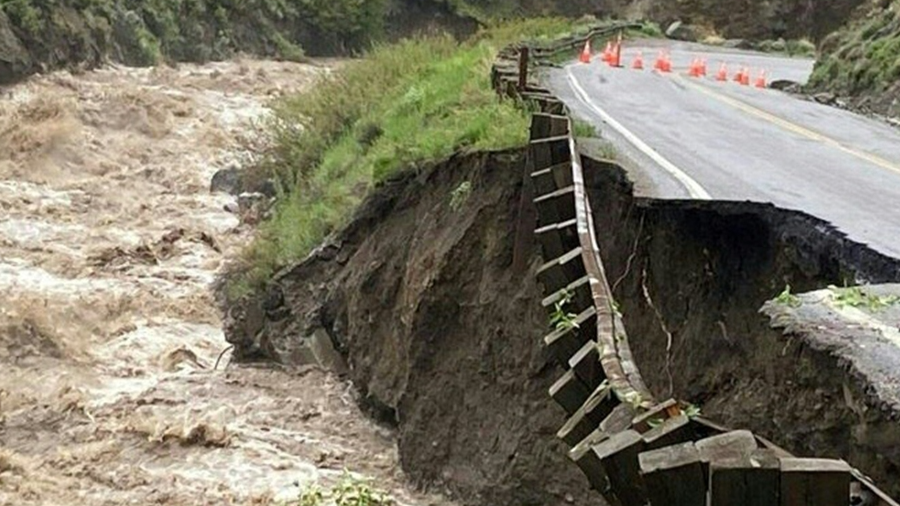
(698, 68)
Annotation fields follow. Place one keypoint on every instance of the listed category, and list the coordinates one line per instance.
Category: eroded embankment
(691, 278)
(441, 325)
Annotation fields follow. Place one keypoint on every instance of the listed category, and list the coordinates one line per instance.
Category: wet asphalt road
(683, 137)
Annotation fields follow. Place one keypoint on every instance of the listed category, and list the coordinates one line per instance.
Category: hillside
(862, 61)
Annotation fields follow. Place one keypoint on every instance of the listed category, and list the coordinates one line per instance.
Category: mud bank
(441, 334)
(441, 330)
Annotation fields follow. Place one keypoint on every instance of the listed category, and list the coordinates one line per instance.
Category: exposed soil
(691, 278)
(442, 328)
(442, 334)
(109, 336)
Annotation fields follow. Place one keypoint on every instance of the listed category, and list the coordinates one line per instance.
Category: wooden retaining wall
(634, 449)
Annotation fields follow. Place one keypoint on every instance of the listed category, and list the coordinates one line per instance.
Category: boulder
(681, 31)
(226, 181)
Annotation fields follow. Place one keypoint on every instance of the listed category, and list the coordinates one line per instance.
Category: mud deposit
(109, 240)
(442, 328)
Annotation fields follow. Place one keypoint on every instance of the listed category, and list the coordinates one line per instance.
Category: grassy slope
(142, 32)
(402, 105)
(863, 59)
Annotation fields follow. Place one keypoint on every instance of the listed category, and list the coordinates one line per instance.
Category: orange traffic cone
(666, 63)
(638, 63)
(586, 52)
(745, 77)
(694, 69)
(614, 56)
(660, 63)
(722, 74)
(739, 76)
(761, 80)
(702, 67)
(607, 53)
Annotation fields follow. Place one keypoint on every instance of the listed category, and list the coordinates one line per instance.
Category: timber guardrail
(636, 450)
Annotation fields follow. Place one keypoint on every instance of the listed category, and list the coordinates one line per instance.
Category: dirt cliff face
(441, 325)
(442, 335)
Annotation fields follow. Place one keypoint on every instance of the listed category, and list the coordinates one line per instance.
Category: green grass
(863, 57)
(402, 105)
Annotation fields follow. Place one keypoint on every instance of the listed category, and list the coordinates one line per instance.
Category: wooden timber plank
(559, 272)
(671, 431)
(587, 366)
(673, 476)
(658, 412)
(619, 457)
(814, 482)
(569, 392)
(586, 460)
(586, 418)
(556, 207)
(579, 290)
(565, 343)
(552, 178)
(752, 481)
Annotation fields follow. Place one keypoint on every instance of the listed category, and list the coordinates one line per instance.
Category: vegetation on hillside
(862, 61)
(402, 105)
(143, 32)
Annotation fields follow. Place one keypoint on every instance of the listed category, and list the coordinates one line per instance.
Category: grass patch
(400, 106)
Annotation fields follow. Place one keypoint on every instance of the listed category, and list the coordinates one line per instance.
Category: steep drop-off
(441, 325)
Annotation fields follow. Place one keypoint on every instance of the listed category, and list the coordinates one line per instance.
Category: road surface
(684, 137)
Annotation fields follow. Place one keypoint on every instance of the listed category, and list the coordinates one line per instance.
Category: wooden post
(523, 68)
(752, 481)
(814, 482)
(673, 476)
(737, 444)
(619, 456)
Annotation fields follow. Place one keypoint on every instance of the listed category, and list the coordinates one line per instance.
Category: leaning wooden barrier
(634, 449)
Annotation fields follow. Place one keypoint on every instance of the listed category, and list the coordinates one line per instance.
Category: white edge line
(693, 187)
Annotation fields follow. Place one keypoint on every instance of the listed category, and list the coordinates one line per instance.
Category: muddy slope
(441, 333)
(691, 278)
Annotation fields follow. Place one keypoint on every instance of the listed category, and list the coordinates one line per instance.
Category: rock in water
(227, 181)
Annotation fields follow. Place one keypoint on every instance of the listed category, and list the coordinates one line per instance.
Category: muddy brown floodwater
(109, 241)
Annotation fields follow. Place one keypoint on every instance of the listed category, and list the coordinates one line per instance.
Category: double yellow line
(791, 127)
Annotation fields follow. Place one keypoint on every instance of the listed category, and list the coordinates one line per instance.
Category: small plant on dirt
(854, 296)
(786, 298)
(460, 195)
(561, 319)
(356, 492)
(311, 495)
(691, 410)
(350, 491)
(608, 151)
(583, 129)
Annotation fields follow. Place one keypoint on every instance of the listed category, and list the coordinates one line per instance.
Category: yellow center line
(792, 127)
